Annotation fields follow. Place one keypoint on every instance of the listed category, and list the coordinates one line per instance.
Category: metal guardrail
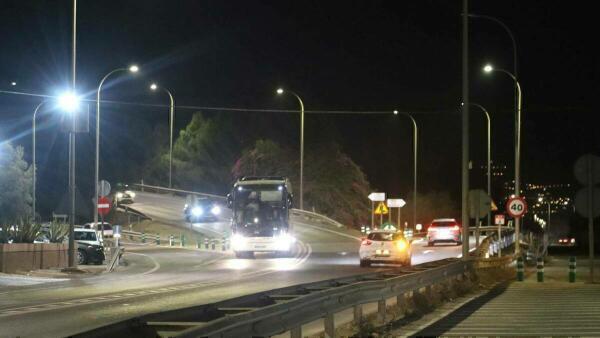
(314, 215)
(142, 237)
(277, 311)
(144, 187)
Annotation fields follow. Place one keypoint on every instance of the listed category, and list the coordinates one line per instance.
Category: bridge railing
(158, 189)
(286, 310)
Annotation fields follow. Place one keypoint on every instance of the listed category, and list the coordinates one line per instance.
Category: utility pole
(465, 130)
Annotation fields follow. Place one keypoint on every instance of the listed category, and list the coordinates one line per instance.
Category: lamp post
(69, 102)
(280, 91)
(154, 87)
(489, 157)
(415, 149)
(489, 69)
(37, 108)
(132, 69)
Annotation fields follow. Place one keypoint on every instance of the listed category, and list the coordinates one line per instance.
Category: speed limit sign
(516, 207)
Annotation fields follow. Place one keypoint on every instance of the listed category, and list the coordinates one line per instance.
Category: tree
(333, 184)
(15, 185)
(431, 205)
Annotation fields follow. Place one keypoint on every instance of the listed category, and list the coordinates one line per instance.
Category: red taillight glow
(366, 242)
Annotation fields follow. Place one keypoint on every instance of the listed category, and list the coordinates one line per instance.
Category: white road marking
(156, 264)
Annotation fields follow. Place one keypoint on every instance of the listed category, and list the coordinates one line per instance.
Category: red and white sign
(103, 206)
(516, 207)
(499, 219)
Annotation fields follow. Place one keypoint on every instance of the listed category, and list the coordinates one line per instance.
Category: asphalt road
(161, 278)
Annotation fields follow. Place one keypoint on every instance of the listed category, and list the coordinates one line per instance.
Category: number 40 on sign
(516, 207)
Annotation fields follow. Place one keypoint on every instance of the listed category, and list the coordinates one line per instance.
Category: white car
(385, 247)
(106, 228)
(444, 230)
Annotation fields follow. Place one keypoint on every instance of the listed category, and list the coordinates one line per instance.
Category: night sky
(337, 55)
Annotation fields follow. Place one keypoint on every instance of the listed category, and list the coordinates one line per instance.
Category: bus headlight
(284, 242)
(216, 210)
(237, 241)
(197, 211)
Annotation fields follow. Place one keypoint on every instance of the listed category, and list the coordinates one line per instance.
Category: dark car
(202, 210)
(89, 253)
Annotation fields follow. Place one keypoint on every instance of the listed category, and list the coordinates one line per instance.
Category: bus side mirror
(229, 201)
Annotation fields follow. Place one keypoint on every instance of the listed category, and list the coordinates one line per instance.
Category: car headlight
(237, 241)
(131, 193)
(197, 211)
(216, 210)
(402, 245)
(119, 195)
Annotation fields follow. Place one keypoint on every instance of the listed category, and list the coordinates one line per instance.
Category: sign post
(499, 220)
(396, 203)
(375, 197)
(103, 210)
(516, 207)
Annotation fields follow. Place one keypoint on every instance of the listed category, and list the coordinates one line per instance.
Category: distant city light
(395, 112)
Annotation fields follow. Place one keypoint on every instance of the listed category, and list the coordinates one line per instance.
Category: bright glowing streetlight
(155, 87)
(13, 83)
(489, 69)
(280, 91)
(132, 69)
(68, 102)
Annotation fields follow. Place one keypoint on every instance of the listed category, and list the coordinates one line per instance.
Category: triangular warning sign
(381, 209)
(493, 206)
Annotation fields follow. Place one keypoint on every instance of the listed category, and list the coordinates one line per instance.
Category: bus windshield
(260, 203)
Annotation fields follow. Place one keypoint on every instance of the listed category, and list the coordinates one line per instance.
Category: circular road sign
(516, 207)
(103, 206)
(103, 188)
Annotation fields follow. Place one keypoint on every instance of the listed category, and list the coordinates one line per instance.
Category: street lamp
(69, 102)
(132, 69)
(489, 156)
(35, 111)
(489, 69)
(415, 149)
(154, 87)
(280, 91)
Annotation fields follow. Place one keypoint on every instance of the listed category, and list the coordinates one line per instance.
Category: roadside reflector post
(143, 237)
(157, 239)
(223, 244)
(213, 244)
(206, 243)
(540, 269)
(198, 241)
(520, 269)
(182, 242)
(170, 240)
(572, 268)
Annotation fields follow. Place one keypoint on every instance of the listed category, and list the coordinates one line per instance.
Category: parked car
(107, 228)
(202, 210)
(383, 246)
(444, 230)
(89, 246)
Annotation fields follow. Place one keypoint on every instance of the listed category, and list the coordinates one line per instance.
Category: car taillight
(456, 228)
(401, 245)
(366, 242)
